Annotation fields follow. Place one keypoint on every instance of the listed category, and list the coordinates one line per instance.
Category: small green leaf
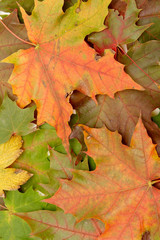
(61, 168)
(35, 158)
(14, 120)
(14, 228)
(29, 201)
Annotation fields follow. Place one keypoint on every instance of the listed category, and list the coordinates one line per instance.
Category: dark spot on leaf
(17, 171)
(97, 57)
(70, 178)
(44, 84)
(146, 236)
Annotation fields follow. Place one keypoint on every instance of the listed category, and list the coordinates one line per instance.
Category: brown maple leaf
(122, 191)
(61, 61)
(8, 45)
(121, 113)
(150, 14)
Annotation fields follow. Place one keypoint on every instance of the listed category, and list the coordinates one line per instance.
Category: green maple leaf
(61, 167)
(35, 157)
(14, 120)
(14, 228)
(29, 201)
(57, 225)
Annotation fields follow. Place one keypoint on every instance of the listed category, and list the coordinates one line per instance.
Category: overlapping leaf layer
(63, 64)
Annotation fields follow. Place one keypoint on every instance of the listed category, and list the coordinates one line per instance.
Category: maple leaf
(11, 178)
(13, 228)
(120, 30)
(120, 113)
(29, 201)
(61, 167)
(35, 158)
(119, 5)
(9, 43)
(121, 191)
(150, 14)
(61, 61)
(142, 64)
(57, 225)
(10, 5)
(14, 120)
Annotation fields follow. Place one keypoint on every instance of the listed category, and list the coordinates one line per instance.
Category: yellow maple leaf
(11, 178)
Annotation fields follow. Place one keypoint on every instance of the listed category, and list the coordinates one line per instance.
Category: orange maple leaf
(122, 191)
(61, 61)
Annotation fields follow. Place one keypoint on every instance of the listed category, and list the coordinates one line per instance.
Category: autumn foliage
(79, 139)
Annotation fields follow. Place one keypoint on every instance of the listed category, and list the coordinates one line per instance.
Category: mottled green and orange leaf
(62, 61)
(121, 191)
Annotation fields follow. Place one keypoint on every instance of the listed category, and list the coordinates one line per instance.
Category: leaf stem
(22, 40)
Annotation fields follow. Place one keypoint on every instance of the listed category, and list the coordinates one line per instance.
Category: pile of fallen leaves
(79, 142)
